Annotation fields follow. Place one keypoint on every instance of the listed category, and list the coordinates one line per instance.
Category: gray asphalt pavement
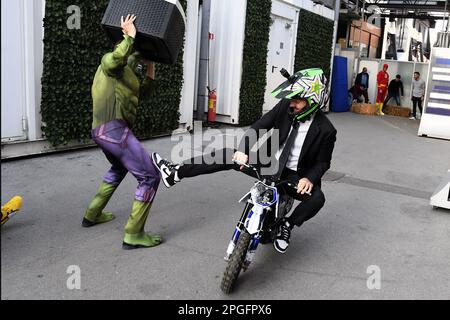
(377, 214)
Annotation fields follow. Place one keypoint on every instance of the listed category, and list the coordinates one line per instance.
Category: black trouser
(390, 95)
(308, 208)
(417, 101)
(366, 96)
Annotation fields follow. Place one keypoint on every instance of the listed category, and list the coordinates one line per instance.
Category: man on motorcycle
(306, 143)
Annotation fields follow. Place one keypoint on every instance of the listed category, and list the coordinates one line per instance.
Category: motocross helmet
(308, 84)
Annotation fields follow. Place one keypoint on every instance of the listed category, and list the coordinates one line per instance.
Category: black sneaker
(168, 170)
(281, 243)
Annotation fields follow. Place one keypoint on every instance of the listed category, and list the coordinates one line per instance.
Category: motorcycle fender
(254, 220)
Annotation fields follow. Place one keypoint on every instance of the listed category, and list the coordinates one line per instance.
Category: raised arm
(114, 62)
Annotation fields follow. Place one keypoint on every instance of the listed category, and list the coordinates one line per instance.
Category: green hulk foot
(94, 214)
(140, 240)
(103, 218)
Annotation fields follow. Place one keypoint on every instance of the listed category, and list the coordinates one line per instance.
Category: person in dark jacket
(395, 89)
(362, 80)
(306, 143)
(355, 93)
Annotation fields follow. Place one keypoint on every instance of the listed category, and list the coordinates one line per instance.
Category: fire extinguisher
(212, 105)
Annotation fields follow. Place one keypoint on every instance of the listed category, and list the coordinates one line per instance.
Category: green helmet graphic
(308, 84)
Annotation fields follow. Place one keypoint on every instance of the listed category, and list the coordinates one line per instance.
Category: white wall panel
(228, 26)
(22, 52)
(190, 65)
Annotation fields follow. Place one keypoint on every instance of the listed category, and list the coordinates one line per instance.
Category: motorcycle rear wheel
(235, 263)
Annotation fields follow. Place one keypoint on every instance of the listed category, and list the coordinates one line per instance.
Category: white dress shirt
(298, 145)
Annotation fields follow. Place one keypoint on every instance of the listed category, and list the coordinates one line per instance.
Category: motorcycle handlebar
(278, 184)
(289, 184)
(250, 167)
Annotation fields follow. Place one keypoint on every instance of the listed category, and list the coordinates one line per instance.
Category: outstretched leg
(216, 161)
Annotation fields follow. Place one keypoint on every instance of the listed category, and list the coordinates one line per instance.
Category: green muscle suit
(116, 91)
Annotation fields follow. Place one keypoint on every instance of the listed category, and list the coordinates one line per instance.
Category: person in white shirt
(418, 94)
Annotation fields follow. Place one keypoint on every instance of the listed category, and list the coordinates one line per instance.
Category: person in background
(362, 80)
(418, 94)
(382, 84)
(355, 93)
(395, 89)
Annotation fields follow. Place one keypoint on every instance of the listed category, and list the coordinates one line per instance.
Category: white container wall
(283, 40)
(226, 52)
(281, 48)
(228, 26)
(351, 55)
(22, 46)
(435, 120)
(190, 65)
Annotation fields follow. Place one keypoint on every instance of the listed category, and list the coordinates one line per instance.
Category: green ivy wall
(253, 85)
(71, 58)
(314, 42)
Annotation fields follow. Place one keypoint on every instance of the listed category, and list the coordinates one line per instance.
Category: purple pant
(126, 154)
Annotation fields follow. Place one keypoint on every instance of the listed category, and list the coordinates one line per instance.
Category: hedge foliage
(314, 42)
(71, 57)
(253, 85)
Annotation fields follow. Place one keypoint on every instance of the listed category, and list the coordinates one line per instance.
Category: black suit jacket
(317, 150)
(359, 79)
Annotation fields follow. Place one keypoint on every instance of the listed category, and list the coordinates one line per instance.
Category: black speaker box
(160, 26)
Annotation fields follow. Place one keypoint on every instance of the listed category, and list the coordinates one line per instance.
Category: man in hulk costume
(116, 91)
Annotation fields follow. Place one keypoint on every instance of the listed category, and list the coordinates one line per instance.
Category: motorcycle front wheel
(235, 263)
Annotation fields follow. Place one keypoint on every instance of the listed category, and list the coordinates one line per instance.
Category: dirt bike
(266, 204)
